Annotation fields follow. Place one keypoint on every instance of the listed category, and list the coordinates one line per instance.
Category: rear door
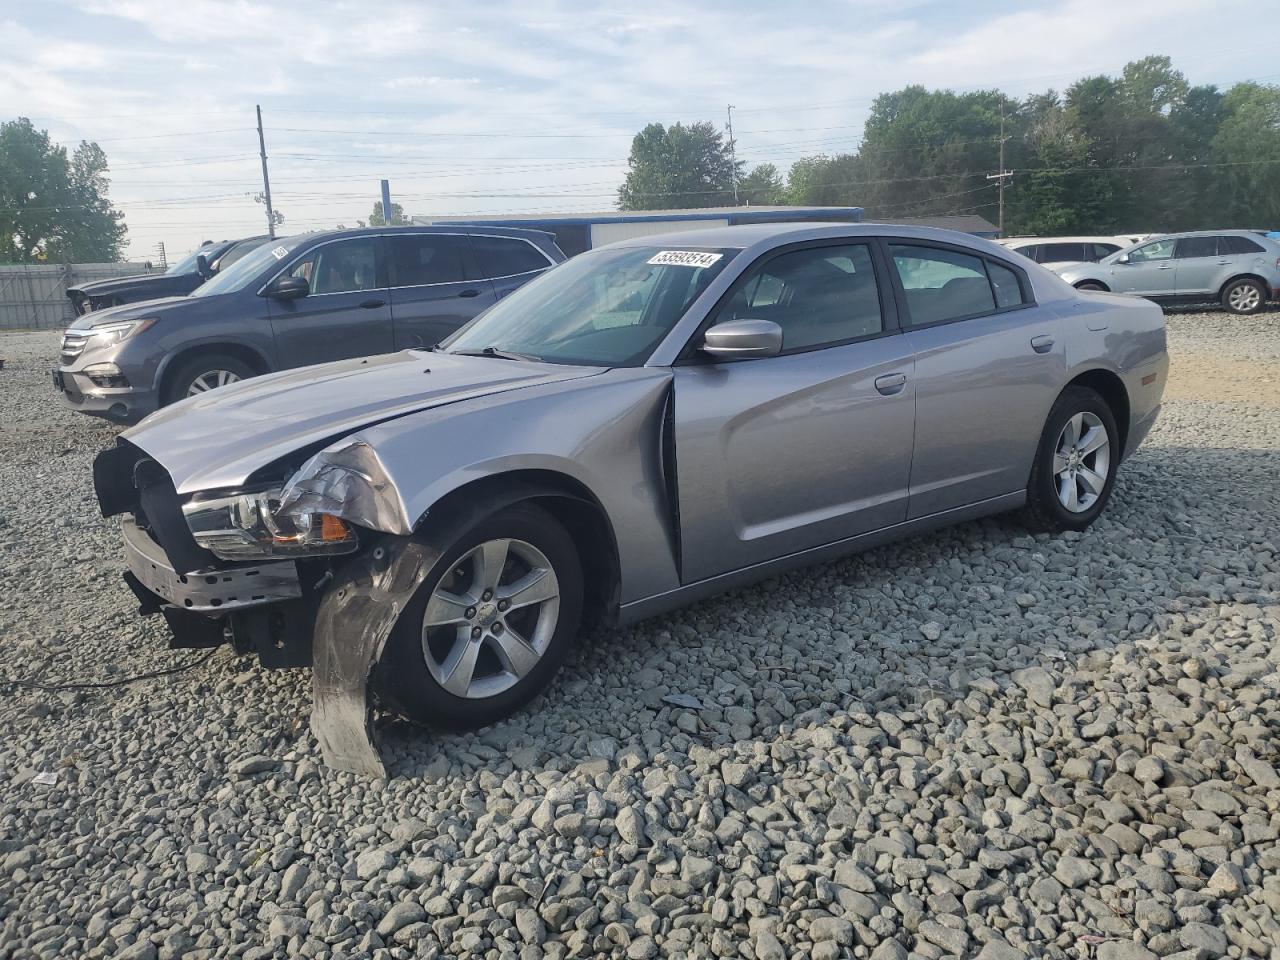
(508, 262)
(779, 454)
(1148, 271)
(1195, 265)
(435, 287)
(989, 364)
(346, 312)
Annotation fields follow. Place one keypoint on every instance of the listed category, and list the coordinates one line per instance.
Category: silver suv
(1238, 268)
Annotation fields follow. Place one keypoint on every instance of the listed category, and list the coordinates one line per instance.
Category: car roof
(522, 233)
(1251, 234)
(1027, 241)
(747, 235)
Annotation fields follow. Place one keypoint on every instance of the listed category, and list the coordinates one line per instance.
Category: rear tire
(1091, 285)
(435, 637)
(1244, 296)
(1075, 466)
(211, 370)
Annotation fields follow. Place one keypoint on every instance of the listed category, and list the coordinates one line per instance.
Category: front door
(434, 287)
(346, 313)
(1196, 266)
(989, 364)
(780, 454)
(1148, 272)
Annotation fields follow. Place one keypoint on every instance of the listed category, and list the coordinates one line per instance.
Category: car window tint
(1159, 250)
(818, 296)
(340, 267)
(1235, 245)
(421, 259)
(1031, 251)
(1057, 252)
(1101, 250)
(941, 284)
(506, 256)
(1005, 284)
(1189, 247)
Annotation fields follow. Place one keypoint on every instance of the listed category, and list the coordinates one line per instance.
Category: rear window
(1057, 252)
(1233, 244)
(507, 256)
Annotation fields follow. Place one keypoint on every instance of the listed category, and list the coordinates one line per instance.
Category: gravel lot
(973, 743)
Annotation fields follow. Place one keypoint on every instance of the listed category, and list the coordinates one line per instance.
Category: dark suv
(183, 277)
(293, 302)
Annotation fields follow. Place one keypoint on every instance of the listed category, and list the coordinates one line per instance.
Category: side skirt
(681, 596)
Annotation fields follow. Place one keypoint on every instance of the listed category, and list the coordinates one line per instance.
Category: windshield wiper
(492, 352)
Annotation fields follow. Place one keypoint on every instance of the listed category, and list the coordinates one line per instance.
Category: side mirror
(1124, 259)
(289, 288)
(202, 266)
(738, 339)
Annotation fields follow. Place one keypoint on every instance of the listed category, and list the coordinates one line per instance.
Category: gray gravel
(975, 743)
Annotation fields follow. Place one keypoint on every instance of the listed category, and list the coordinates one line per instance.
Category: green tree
(1245, 152)
(822, 181)
(54, 206)
(678, 166)
(398, 217)
(762, 186)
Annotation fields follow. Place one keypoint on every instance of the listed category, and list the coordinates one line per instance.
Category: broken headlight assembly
(251, 525)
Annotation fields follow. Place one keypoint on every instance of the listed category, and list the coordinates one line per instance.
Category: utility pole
(733, 155)
(164, 261)
(1002, 177)
(386, 203)
(266, 181)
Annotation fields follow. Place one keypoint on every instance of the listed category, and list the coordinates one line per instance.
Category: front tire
(490, 624)
(202, 374)
(1244, 296)
(1075, 465)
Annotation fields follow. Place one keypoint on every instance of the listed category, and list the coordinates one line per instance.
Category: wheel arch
(241, 351)
(1111, 388)
(1079, 284)
(1266, 287)
(573, 505)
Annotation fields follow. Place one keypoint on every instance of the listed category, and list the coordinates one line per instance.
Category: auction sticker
(684, 258)
(280, 252)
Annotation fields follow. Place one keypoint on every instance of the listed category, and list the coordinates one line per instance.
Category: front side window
(942, 284)
(506, 256)
(344, 266)
(608, 307)
(425, 258)
(818, 296)
(1189, 247)
(1159, 250)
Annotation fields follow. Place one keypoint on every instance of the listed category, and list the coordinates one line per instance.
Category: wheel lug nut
(471, 613)
(503, 604)
(497, 627)
(488, 595)
(475, 633)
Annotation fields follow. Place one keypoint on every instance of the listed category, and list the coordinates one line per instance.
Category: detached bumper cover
(210, 591)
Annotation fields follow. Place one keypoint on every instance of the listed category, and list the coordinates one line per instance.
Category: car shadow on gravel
(896, 626)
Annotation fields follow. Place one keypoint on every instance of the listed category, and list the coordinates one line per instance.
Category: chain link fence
(33, 296)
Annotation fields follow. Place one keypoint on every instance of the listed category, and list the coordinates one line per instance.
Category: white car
(1067, 249)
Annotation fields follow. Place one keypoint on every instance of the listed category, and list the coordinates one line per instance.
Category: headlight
(251, 525)
(347, 480)
(106, 334)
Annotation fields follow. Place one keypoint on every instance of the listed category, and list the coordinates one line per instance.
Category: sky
(522, 106)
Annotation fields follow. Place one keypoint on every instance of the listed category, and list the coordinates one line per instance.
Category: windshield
(247, 269)
(609, 307)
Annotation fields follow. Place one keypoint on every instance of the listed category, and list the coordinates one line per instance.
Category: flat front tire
(490, 624)
(1075, 466)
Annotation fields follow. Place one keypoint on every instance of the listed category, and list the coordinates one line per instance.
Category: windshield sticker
(684, 258)
(280, 252)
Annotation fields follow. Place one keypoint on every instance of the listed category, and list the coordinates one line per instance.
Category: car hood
(219, 439)
(134, 311)
(139, 282)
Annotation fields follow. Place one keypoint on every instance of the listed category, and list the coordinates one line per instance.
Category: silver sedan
(644, 425)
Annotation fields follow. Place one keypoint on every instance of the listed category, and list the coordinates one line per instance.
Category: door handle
(1042, 343)
(1168, 267)
(371, 304)
(469, 293)
(891, 383)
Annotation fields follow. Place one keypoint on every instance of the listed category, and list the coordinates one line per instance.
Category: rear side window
(819, 296)
(1057, 252)
(506, 256)
(1232, 244)
(1004, 283)
(425, 258)
(941, 284)
(1189, 247)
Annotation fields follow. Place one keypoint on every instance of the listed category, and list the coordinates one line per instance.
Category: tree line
(1145, 151)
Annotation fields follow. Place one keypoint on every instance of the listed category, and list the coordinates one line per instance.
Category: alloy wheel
(490, 619)
(1244, 297)
(210, 380)
(1081, 461)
